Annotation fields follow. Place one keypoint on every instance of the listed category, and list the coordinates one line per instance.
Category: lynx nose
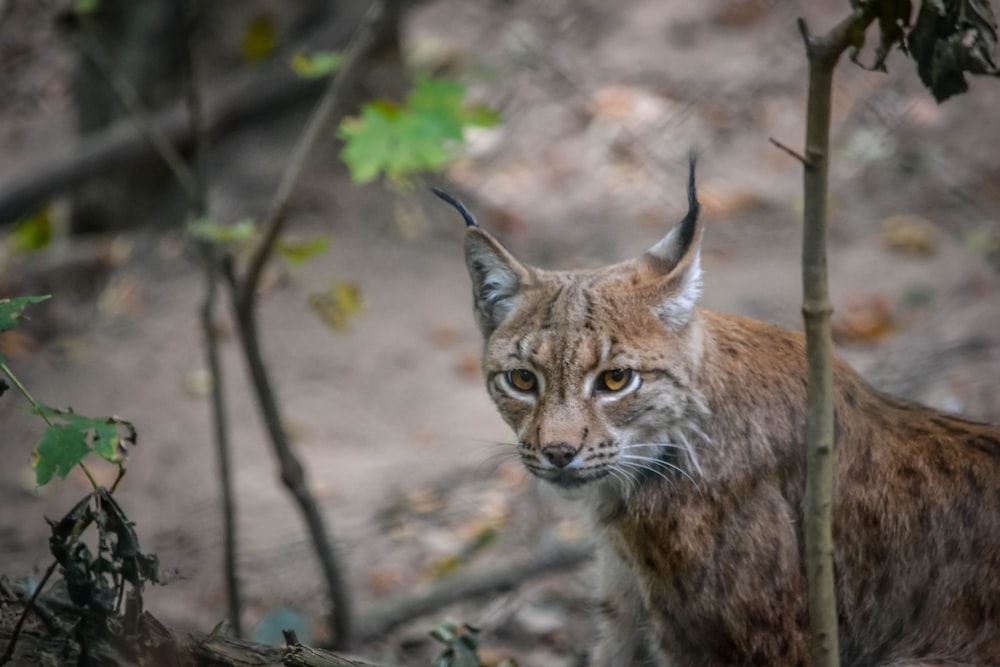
(559, 454)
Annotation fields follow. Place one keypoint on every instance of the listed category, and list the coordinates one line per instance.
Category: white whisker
(666, 445)
(660, 462)
(647, 468)
(691, 454)
(694, 428)
(622, 478)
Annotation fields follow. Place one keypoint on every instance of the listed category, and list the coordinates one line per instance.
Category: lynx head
(593, 368)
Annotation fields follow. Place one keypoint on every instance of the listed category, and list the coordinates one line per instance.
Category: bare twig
(11, 644)
(92, 47)
(823, 54)
(209, 260)
(244, 289)
(389, 615)
(791, 151)
(320, 120)
(52, 622)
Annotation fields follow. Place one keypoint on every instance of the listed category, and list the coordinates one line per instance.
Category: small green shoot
(206, 230)
(316, 64)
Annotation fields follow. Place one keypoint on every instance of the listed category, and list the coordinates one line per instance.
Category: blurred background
(599, 104)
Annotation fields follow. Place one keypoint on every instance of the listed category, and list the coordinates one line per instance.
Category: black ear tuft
(689, 223)
(470, 220)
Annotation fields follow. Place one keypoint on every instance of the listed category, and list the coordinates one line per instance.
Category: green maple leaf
(421, 135)
(62, 447)
(11, 310)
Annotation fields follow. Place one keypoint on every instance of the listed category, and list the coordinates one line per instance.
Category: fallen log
(154, 645)
(61, 170)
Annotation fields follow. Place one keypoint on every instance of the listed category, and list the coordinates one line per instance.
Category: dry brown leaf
(468, 366)
(17, 344)
(865, 321)
(338, 305)
(444, 336)
(198, 383)
(382, 581)
(121, 297)
(910, 234)
(424, 501)
(739, 13)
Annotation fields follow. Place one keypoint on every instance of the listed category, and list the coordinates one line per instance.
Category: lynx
(683, 431)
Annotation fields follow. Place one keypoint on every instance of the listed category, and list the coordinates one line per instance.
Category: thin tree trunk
(823, 53)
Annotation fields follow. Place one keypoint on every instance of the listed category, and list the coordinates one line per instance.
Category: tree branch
(823, 54)
(385, 617)
(39, 178)
(319, 121)
(210, 261)
(90, 45)
(243, 294)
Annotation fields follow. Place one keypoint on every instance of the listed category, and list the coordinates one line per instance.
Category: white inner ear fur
(668, 248)
(676, 309)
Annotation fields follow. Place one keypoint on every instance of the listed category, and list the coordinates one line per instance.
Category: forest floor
(601, 103)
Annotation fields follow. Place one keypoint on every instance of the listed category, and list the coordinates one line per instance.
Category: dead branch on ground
(387, 616)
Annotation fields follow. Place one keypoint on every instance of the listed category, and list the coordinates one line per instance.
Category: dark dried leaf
(97, 581)
(893, 18)
(950, 38)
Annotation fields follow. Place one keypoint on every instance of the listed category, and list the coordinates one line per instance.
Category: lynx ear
(497, 279)
(677, 258)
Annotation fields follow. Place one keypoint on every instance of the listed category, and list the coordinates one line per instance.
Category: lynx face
(593, 369)
(603, 395)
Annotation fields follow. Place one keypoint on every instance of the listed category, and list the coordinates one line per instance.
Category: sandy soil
(404, 450)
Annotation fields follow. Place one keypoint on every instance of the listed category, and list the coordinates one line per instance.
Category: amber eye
(615, 379)
(522, 380)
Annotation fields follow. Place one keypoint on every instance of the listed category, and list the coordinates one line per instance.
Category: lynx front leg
(625, 632)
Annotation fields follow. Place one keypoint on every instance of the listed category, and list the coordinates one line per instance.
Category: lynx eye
(614, 380)
(522, 379)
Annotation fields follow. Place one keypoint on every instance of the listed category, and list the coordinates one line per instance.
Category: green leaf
(317, 64)
(33, 232)
(107, 443)
(61, 448)
(102, 435)
(11, 310)
(206, 230)
(297, 252)
(421, 135)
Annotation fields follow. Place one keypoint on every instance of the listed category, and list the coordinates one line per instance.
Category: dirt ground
(601, 103)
